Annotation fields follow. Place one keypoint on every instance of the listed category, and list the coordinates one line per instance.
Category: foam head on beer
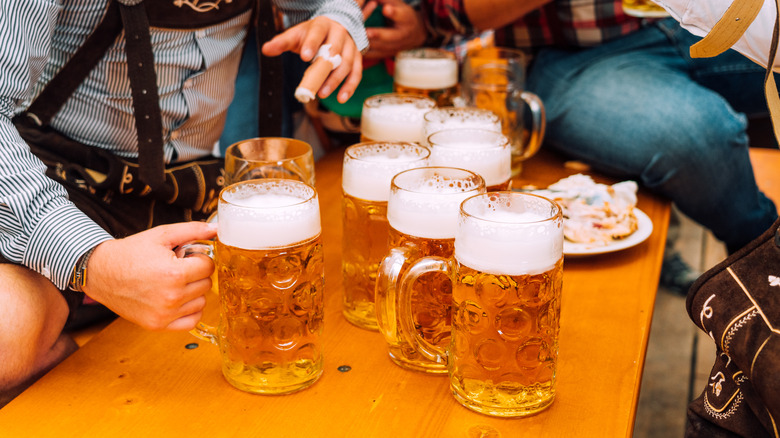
(426, 69)
(369, 167)
(394, 117)
(451, 117)
(425, 202)
(509, 233)
(485, 152)
(268, 213)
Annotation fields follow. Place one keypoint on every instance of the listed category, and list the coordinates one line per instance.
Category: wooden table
(131, 382)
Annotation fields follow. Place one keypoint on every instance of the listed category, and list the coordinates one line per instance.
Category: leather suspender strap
(65, 82)
(770, 87)
(143, 84)
(271, 86)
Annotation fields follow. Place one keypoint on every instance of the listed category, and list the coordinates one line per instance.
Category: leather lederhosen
(190, 189)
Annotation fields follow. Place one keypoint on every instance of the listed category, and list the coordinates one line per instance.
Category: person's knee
(33, 313)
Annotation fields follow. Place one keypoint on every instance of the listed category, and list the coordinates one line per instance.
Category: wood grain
(130, 382)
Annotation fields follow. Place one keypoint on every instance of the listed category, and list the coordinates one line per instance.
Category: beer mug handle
(406, 318)
(538, 122)
(205, 247)
(386, 291)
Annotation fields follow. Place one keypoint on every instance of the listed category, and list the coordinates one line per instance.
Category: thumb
(173, 235)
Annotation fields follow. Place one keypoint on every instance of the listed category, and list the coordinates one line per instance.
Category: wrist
(78, 278)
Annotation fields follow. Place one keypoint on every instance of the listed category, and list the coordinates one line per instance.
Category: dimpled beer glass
(270, 273)
(644, 9)
(423, 214)
(427, 72)
(494, 79)
(507, 275)
(368, 169)
(394, 117)
(485, 152)
(269, 157)
(450, 117)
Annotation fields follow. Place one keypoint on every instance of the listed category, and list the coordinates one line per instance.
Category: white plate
(643, 231)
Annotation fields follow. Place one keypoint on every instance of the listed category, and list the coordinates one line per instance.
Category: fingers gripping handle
(204, 247)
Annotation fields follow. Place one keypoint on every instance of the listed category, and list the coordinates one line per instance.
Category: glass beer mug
(506, 273)
(368, 169)
(485, 152)
(494, 79)
(270, 274)
(422, 212)
(269, 157)
(450, 117)
(394, 117)
(427, 71)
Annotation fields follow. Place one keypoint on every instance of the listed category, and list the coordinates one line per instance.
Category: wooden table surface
(131, 382)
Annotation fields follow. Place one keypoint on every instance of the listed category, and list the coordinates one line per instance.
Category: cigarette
(315, 75)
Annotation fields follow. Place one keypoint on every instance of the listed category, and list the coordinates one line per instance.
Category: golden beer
(422, 212)
(394, 117)
(505, 331)
(364, 245)
(270, 278)
(272, 307)
(507, 278)
(428, 72)
(368, 169)
(482, 151)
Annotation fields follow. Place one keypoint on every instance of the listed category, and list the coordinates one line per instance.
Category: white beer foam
(458, 118)
(426, 73)
(430, 209)
(368, 177)
(402, 121)
(508, 242)
(479, 154)
(259, 217)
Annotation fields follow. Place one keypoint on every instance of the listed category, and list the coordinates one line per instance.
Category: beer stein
(394, 117)
(422, 212)
(494, 79)
(485, 152)
(368, 169)
(427, 71)
(269, 157)
(506, 273)
(270, 275)
(450, 117)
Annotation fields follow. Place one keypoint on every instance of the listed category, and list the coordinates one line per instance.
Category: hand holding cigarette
(316, 73)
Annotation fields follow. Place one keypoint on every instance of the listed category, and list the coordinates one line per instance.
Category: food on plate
(594, 213)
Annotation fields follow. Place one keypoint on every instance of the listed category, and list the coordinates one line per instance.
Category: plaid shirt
(560, 23)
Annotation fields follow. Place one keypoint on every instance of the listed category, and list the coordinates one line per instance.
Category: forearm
(495, 14)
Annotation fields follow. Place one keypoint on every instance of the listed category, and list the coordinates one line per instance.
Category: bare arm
(494, 14)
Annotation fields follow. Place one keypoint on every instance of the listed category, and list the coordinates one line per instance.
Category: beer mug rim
(499, 52)
(302, 148)
(351, 152)
(310, 192)
(415, 53)
(496, 140)
(377, 99)
(456, 173)
(445, 112)
(466, 207)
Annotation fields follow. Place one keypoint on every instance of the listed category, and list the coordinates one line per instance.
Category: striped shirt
(560, 23)
(196, 69)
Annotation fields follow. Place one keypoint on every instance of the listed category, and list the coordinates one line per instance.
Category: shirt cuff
(61, 237)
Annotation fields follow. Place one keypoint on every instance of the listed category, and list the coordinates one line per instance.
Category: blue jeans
(641, 108)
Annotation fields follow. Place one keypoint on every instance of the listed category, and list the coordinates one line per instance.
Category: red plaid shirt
(560, 23)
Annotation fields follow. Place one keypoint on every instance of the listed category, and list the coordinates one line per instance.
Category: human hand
(405, 28)
(306, 39)
(142, 280)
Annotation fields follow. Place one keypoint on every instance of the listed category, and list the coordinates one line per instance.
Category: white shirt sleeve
(698, 17)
